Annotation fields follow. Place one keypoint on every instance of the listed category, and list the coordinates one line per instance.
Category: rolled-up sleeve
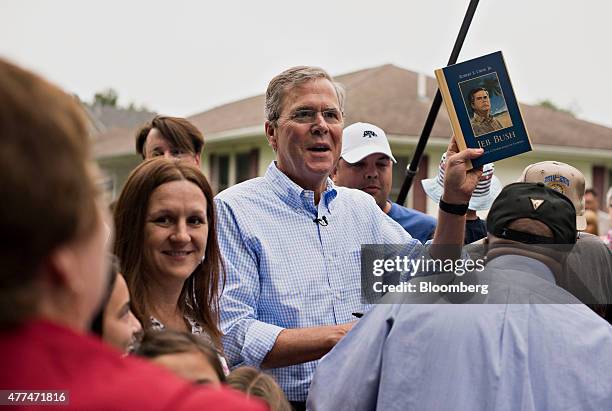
(246, 340)
(348, 377)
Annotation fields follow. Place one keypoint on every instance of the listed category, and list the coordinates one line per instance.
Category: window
(229, 169)
(219, 172)
(107, 184)
(247, 165)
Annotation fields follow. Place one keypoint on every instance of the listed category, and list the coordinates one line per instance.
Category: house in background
(393, 98)
(106, 118)
(112, 130)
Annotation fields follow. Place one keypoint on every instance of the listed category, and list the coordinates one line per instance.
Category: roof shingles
(387, 96)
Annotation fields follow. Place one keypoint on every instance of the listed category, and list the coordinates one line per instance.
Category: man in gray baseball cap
(588, 270)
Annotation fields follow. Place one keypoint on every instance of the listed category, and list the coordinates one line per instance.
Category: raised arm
(459, 183)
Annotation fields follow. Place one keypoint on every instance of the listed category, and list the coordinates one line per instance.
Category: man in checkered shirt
(291, 240)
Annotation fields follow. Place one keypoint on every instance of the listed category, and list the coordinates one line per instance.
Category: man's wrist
(456, 209)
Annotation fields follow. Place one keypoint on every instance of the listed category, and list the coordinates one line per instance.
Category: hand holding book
(483, 109)
(459, 180)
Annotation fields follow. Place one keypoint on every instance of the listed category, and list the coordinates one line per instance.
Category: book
(483, 109)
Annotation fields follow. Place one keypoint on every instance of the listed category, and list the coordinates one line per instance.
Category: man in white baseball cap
(366, 163)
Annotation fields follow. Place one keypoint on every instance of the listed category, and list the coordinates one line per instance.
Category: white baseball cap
(359, 140)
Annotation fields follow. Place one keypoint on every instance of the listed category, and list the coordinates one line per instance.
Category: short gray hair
(293, 77)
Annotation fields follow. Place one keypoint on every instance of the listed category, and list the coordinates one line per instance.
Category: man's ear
(334, 173)
(271, 134)
(60, 268)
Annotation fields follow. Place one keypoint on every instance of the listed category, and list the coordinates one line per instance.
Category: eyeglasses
(306, 116)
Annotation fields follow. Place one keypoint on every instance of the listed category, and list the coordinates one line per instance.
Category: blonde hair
(592, 220)
(258, 384)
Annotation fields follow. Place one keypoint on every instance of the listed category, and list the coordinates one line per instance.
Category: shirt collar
(294, 195)
(524, 264)
(480, 119)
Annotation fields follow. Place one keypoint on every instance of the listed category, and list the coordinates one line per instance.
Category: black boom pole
(435, 108)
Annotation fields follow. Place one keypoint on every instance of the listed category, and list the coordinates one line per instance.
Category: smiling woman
(167, 247)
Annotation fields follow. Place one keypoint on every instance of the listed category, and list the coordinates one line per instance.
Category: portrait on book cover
(485, 104)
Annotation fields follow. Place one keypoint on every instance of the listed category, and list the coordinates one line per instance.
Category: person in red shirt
(53, 265)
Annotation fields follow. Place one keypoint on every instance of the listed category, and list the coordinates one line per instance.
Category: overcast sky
(183, 57)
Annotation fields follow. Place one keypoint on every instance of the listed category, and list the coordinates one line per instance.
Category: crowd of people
(253, 298)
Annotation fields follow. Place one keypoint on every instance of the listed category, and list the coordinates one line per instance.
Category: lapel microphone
(321, 221)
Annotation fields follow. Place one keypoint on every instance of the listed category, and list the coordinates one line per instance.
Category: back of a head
(561, 177)
(48, 194)
(537, 202)
(48, 202)
(155, 343)
(591, 222)
(161, 342)
(256, 383)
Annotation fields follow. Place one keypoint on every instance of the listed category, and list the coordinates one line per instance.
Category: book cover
(483, 109)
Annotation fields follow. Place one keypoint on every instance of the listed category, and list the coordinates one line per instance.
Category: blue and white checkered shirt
(286, 271)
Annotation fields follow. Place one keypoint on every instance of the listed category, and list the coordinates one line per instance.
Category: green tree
(133, 107)
(106, 97)
(552, 106)
(109, 97)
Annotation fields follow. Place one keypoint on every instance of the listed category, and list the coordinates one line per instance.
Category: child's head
(188, 356)
(258, 384)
